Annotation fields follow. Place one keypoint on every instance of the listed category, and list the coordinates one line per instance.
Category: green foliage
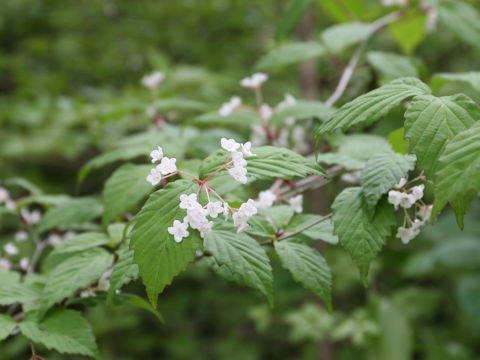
(158, 256)
(291, 16)
(472, 78)
(462, 20)
(240, 119)
(302, 110)
(409, 31)
(391, 66)
(307, 267)
(124, 271)
(341, 36)
(7, 324)
(13, 290)
(81, 242)
(321, 231)
(290, 54)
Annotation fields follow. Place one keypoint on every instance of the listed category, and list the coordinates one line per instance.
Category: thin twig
(306, 227)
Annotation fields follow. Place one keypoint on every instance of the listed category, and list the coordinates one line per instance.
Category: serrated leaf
(462, 20)
(341, 36)
(81, 242)
(382, 171)
(323, 230)
(307, 267)
(302, 110)
(243, 256)
(158, 256)
(76, 272)
(391, 65)
(345, 161)
(235, 119)
(70, 214)
(409, 31)
(430, 122)
(7, 324)
(63, 330)
(458, 175)
(269, 163)
(371, 106)
(124, 189)
(361, 146)
(279, 215)
(290, 54)
(472, 78)
(123, 272)
(13, 290)
(360, 234)
(260, 227)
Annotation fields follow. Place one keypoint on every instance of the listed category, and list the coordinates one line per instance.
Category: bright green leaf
(7, 324)
(462, 20)
(409, 31)
(341, 36)
(322, 230)
(391, 66)
(290, 54)
(123, 272)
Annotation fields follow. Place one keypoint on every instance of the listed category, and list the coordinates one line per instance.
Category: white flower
(103, 284)
(178, 230)
(196, 217)
(24, 262)
(226, 210)
(87, 293)
(394, 2)
(157, 154)
(10, 204)
(4, 195)
(240, 220)
(228, 107)
(247, 149)
(417, 191)
(239, 173)
(425, 212)
(400, 184)
(205, 228)
(405, 234)
(248, 208)
(407, 200)
(32, 217)
(155, 177)
(258, 135)
(349, 178)
(54, 240)
(288, 100)
(255, 81)
(69, 234)
(189, 202)
(153, 80)
(296, 203)
(394, 198)
(10, 249)
(265, 111)
(265, 199)
(214, 208)
(229, 144)
(238, 160)
(21, 236)
(5, 265)
(167, 166)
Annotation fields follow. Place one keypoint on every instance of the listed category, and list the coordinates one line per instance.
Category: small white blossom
(214, 208)
(229, 144)
(288, 100)
(54, 240)
(4, 195)
(394, 2)
(255, 81)
(21, 236)
(5, 265)
(153, 80)
(240, 220)
(394, 198)
(349, 178)
(103, 284)
(417, 191)
(157, 154)
(248, 208)
(407, 234)
(239, 173)
(229, 107)
(69, 234)
(31, 217)
(10, 249)
(189, 202)
(178, 230)
(24, 262)
(247, 149)
(296, 203)
(196, 217)
(10, 204)
(205, 228)
(238, 160)
(265, 111)
(425, 212)
(167, 166)
(87, 293)
(407, 200)
(226, 210)
(265, 199)
(400, 184)
(154, 177)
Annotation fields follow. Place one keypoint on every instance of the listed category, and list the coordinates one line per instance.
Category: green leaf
(343, 160)
(243, 256)
(307, 267)
(341, 36)
(12, 290)
(81, 242)
(269, 163)
(462, 20)
(322, 230)
(344, 10)
(409, 31)
(124, 189)
(7, 324)
(382, 172)
(430, 122)
(158, 256)
(70, 214)
(391, 66)
(472, 78)
(371, 106)
(458, 175)
(235, 119)
(395, 138)
(260, 227)
(280, 215)
(302, 110)
(360, 234)
(361, 146)
(291, 16)
(123, 272)
(63, 330)
(76, 272)
(290, 54)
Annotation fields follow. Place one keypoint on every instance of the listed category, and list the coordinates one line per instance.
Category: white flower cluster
(229, 107)
(167, 166)
(153, 80)
(267, 198)
(55, 239)
(30, 217)
(407, 198)
(6, 199)
(244, 213)
(255, 81)
(238, 151)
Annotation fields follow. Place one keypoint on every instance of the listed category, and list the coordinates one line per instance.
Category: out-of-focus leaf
(290, 54)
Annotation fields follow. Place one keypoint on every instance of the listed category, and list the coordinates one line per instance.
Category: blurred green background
(70, 87)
